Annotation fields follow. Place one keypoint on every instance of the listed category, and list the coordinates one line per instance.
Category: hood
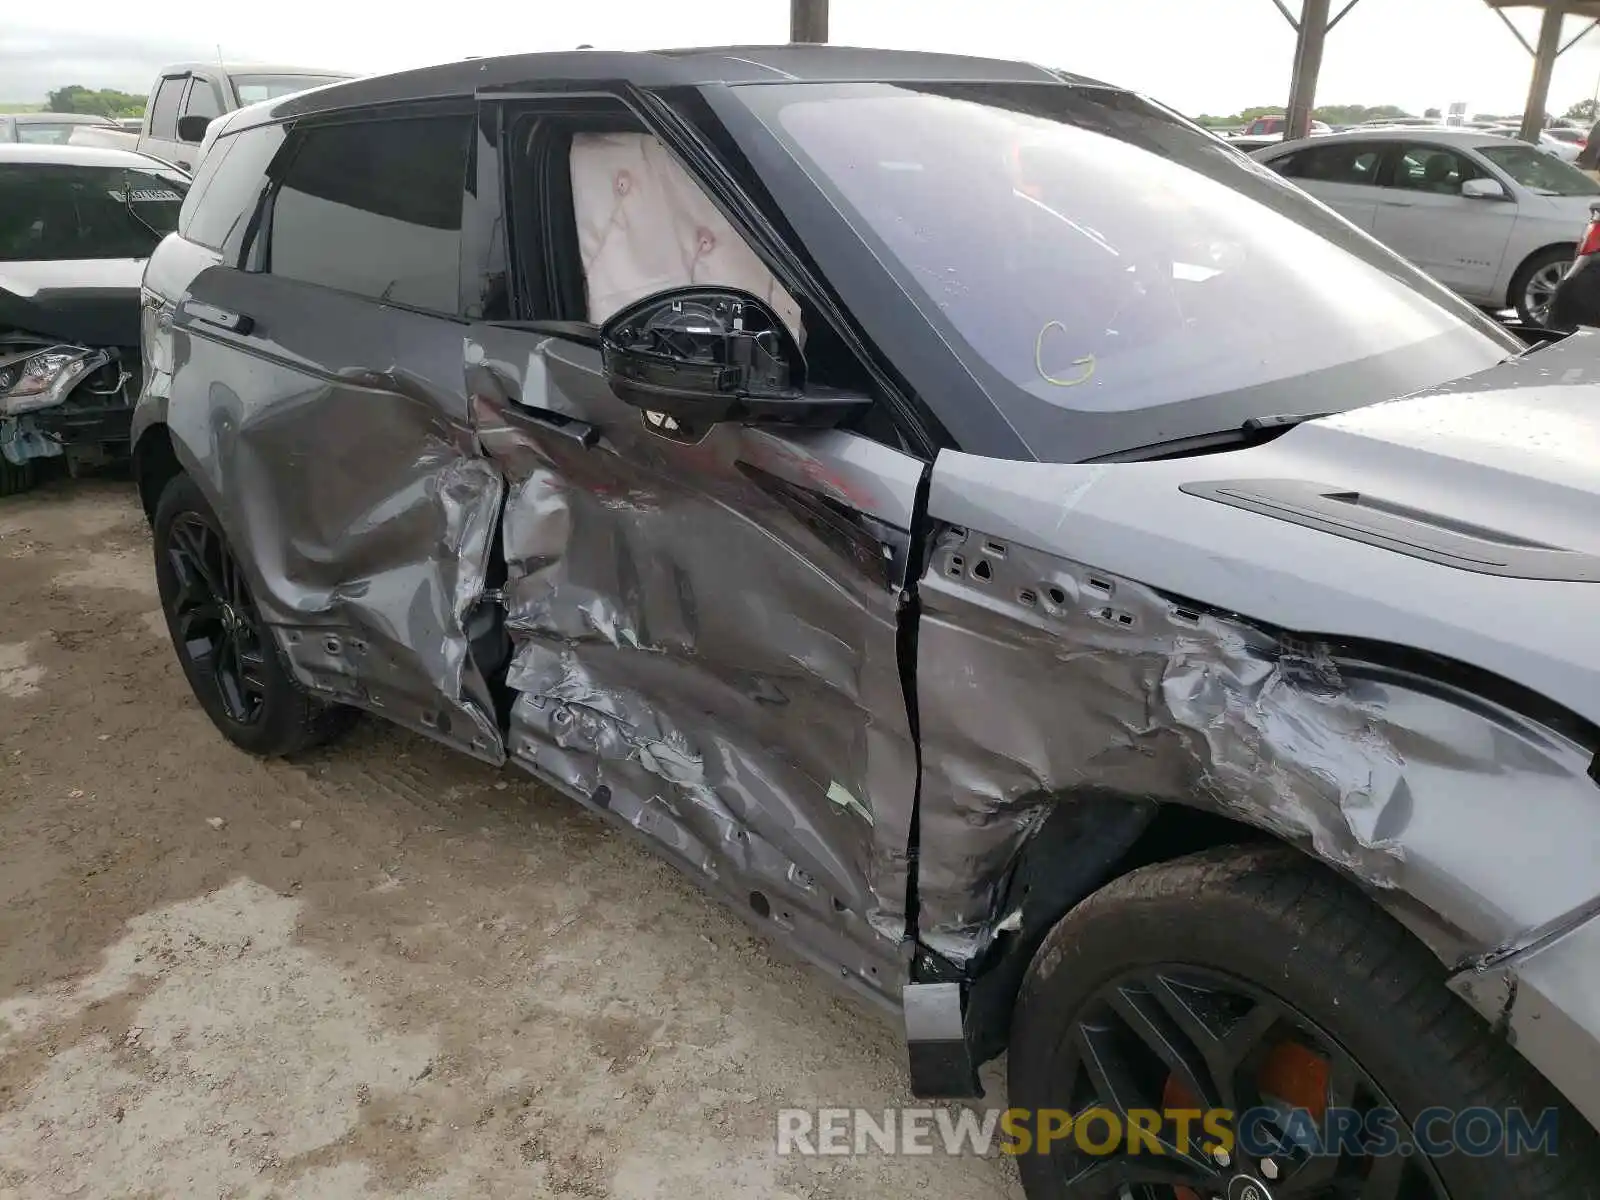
(93, 301)
(1574, 210)
(1511, 453)
(1462, 522)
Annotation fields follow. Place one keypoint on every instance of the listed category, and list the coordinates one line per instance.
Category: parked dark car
(901, 489)
(76, 225)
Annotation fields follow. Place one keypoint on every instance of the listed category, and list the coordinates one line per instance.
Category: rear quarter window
(228, 185)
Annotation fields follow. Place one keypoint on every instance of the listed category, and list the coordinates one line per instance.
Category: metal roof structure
(808, 22)
(1550, 47)
(1316, 21)
(1574, 8)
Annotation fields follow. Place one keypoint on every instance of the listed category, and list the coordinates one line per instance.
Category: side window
(599, 220)
(1345, 162)
(204, 174)
(202, 100)
(1433, 169)
(374, 208)
(1289, 165)
(164, 114)
(230, 180)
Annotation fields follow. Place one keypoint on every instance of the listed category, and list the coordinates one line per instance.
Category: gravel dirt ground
(381, 970)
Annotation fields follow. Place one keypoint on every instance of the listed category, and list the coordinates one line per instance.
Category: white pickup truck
(187, 97)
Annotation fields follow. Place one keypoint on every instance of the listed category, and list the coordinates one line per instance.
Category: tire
(1300, 935)
(1540, 268)
(15, 480)
(281, 718)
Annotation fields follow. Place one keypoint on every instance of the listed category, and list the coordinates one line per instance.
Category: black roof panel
(657, 68)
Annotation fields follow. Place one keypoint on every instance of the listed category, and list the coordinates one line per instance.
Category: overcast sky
(1196, 55)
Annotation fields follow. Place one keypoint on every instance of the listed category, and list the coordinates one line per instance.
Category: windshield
(53, 211)
(1091, 256)
(1540, 172)
(252, 89)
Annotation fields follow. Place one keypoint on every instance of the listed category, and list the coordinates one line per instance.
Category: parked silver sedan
(1495, 220)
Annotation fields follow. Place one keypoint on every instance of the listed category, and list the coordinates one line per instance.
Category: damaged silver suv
(966, 517)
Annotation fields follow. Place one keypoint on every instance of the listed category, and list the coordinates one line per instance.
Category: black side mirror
(691, 357)
(192, 129)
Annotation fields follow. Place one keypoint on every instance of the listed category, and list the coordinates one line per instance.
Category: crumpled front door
(705, 641)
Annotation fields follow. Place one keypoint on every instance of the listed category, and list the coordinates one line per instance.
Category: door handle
(585, 434)
(1397, 203)
(220, 318)
(571, 428)
(488, 385)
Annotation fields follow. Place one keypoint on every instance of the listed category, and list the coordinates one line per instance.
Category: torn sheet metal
(1039, 676)
(360, 500)
(705, 644)
(1543, 995)
(1427, 728)
(21, 441)
(390, 632)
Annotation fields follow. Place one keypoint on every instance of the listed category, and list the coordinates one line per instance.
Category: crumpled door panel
(335, 443)
(704, 648)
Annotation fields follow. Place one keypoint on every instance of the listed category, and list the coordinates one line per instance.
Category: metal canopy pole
(808, 20)
(1544, 62)
(1312, 33)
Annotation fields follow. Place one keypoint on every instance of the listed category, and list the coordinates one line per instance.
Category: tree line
(102, 102)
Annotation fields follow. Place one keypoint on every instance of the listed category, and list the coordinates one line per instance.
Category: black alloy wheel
(214, 618)
(1273, 1034)
(1179, 1038)
(226, 650)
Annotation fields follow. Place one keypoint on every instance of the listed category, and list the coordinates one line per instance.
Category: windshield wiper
(1279, 421)
(1252, 432)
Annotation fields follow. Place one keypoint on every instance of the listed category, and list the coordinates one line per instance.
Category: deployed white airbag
(645, 226)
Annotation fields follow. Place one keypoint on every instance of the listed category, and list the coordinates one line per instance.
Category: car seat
(1438, 175)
